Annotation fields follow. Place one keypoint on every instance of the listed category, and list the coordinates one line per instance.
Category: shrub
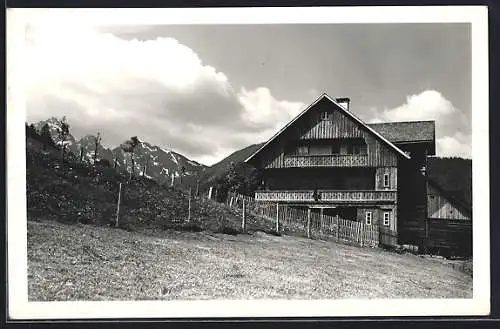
(228, 230)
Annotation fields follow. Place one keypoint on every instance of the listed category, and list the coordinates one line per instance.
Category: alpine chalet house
(329, 160)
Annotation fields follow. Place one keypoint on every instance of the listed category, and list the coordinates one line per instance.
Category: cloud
(159, 90)
(454, 146)
(263, 109)
(426, 105)
(453, 130)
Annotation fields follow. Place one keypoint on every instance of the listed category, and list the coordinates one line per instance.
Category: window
(386, 180)
(387, 218)
(368, 218)
(353, 146)
(302, 150)
(325, 116)
(320, 149)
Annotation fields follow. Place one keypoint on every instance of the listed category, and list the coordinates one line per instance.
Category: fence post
(118, 206)
(338, 226)
(277, 218)
(243, 220)
(321, 221)
(189, 206)
(362, 235)
(308, 223)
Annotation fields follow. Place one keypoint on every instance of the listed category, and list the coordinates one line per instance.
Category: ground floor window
(368, 218)
(387, 218)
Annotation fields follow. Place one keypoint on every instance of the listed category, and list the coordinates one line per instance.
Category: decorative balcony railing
(332, 160)
(326, 196)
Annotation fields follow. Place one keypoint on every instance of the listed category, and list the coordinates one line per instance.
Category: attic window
(386, 180)
(325, 116)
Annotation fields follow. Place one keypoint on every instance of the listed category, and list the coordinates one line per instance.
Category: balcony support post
(277, 218)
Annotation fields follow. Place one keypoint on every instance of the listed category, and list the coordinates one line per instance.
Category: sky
(206, 91)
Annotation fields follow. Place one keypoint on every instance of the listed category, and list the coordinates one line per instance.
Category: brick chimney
(344, 101)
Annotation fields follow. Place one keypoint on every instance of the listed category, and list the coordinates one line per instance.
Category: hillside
(76, 192)
(232, 172)
(454, 175)
(221, 168)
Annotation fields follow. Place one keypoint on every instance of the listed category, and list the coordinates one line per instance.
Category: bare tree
(97, 141)
(145, 167)
(82, 151)
(183, 172)
(129, 147)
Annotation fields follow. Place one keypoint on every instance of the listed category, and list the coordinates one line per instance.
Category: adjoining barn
(329, 160)
(449, 222)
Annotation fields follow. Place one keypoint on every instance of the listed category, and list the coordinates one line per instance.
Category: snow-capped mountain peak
(156, 162)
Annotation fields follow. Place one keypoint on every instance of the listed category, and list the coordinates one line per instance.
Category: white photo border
(20, 308)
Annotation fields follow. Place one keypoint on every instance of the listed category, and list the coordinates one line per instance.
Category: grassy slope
(71, 261)
(84, 262)
(75, 194)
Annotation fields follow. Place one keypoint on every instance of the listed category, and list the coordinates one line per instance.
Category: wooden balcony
(331, 160)
(327, 196)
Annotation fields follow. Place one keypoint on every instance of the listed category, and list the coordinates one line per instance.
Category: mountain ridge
(152, 161)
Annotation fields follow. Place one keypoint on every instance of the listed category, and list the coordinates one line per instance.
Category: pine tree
(46, 137)
(234, 182)
(31, 132)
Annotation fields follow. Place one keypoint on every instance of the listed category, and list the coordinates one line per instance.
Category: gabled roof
(409, 131)
(345, 111)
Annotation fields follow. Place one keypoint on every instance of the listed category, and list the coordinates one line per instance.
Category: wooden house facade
(329, 160)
